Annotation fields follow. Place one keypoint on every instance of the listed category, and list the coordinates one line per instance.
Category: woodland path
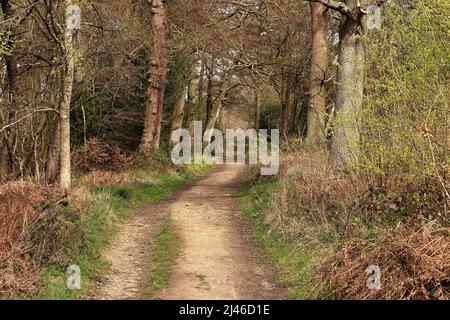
(218, 258)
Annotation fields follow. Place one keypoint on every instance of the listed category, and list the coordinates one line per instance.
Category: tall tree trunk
(350, 85)
(5, 163)
(53, 156)
(215, 114)
(257, 108)
(287, 111)
(218, 104)
(319, 65)
(200, 86)
(191, 99)
(10, 59)
(209, 91)
(64, 109)
(11, 68)
(302, 116)
(157, 78)
(178, 110)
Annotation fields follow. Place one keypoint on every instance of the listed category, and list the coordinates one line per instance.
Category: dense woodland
(363, 114)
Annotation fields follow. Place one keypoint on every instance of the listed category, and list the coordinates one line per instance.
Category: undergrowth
(113, 204)
(324, 228)
(295, 262)
(42, 231)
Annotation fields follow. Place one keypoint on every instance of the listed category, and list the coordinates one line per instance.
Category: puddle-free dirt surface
(129, 254)
(218, 258)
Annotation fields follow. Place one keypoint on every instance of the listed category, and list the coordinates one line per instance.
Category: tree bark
(200, 86)
(209, 90)
(216, 108)
(257, 108)
(157, 78)
(287, 110)
(350, 86)
(64, 109)
(10, 59)
(53, 156)
(316, 135)
(5, 163)
(191, 99)
(6, 113)
(178, 110)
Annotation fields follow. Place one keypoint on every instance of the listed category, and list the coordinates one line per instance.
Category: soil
(218, 258)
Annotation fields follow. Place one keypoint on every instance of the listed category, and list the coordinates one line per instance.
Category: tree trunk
(5, 163)
(217, 106)
(215, 113)
(287, 111)
(191, 102)
(6, 114)
(319, 65)
(350, 85)
(157, 78)
(53, 156)
(209, 91)
(302, 117)
(200, 86)
(178, 110)
(10, 59)
(64, 109)
(257, 108)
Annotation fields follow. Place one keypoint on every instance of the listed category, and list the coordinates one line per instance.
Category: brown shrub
(98, 177)
(340, 212)
(310, 193)
(98, 155)
(157, 161)
(81, 200)
(34, 231)
(414, 263)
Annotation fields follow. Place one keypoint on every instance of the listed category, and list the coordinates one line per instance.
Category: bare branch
(25, 117)
(336, 6)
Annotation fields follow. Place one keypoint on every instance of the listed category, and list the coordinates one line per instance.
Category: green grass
(295, 264)
(162, 259)
(113, 204)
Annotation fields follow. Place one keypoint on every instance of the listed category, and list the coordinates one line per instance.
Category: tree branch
(336, 6)
(342, 8)
(25, 117)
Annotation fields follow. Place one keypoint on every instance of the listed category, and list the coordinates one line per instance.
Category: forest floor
(215, 258)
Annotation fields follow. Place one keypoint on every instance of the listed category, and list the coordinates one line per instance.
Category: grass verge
(164, 254)
(112, 205)
(295, 264)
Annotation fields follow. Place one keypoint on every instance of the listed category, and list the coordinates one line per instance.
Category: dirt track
(218, 259)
